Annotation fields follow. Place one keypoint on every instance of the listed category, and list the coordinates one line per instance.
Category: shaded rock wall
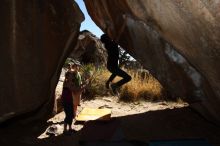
(36, 37)
(177, 40)
(89, 49)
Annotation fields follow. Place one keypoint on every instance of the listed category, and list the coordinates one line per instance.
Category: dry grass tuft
(140, 87)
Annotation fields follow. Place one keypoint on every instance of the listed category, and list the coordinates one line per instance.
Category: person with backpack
(77, 86)
(67, 100)
(71, 94)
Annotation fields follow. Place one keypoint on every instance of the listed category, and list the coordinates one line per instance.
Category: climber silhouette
(112, 64)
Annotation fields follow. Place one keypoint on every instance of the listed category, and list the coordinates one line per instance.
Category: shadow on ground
(136, 129)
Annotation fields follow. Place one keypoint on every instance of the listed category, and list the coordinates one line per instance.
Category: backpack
(72, 80)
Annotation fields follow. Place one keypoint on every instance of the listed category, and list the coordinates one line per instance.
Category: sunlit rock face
(177, 40)
(89, 49)
(35, 41)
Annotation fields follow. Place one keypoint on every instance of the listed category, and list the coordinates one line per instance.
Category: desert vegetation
(143, 85)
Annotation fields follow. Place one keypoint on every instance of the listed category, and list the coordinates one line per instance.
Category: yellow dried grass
(139, 87)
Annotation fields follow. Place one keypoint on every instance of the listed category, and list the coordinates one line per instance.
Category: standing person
(77, 87)
(112, 64)
(67, 100)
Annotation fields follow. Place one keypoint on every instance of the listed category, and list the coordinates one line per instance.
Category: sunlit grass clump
(98, 77)
(142, 86)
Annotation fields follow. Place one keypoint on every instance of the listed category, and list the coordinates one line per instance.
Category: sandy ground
(119, 109)
(140, 121)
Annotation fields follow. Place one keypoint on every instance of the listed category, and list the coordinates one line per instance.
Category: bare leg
(74, 109)
(70, 127)
(76, 100)
(65, 127)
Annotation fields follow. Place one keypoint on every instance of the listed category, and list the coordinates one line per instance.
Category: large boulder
(178, 41)
(89, 49)
(36, 37)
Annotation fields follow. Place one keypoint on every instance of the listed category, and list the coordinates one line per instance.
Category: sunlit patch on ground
(119, 109)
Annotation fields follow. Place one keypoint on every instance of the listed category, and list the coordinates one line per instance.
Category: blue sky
(88, 23)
